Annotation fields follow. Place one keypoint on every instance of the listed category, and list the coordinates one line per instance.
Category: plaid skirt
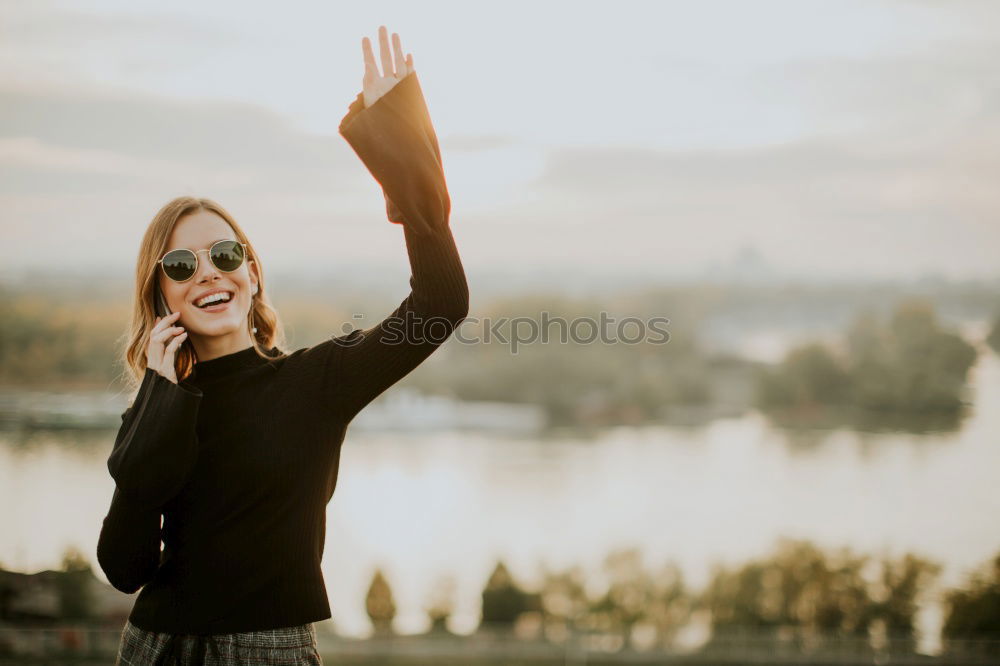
(292, 646)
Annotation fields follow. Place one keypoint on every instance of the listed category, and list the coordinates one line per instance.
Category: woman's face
(199, 231)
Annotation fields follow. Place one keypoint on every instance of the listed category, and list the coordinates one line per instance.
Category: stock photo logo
(514, 331)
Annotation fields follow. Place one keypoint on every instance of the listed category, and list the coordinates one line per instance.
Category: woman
(236, 443)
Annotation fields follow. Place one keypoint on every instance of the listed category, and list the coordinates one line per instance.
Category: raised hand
(164, 340)
(394, 65)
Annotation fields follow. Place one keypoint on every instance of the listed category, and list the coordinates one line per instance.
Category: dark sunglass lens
(179, 264)
(227, 255)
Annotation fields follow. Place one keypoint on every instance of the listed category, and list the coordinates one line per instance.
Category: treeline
(799, 595)
(799, 599)
(993, 339)
(54, 339)
(61, 342)
(906, 373)
(576, 381)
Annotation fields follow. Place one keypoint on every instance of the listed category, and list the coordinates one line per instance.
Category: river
(428, 503)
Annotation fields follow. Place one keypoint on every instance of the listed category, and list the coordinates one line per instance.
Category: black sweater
(241, 458)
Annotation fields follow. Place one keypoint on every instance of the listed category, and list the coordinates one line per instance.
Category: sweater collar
(228, 364)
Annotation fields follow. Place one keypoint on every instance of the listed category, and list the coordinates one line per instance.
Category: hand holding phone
(164, 340)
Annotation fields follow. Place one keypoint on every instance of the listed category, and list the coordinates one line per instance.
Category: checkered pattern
(290, 646)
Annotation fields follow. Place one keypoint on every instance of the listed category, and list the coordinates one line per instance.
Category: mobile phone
(161, 305)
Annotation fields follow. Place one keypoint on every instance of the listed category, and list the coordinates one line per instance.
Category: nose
(206, 269)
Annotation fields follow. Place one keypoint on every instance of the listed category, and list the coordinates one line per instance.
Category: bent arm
(128, 549)
(154, 452)
(157, 443)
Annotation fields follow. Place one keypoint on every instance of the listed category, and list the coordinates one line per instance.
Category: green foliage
(55, 338)
(800, 586)
(379, 604)
(909, 373)
(503, 599)
(993, 339)
(576, 382)
(74, 586)
(441, 604)
(974, 612)
(809, 377)
(896, 374)
(44, 341)
(563, 598)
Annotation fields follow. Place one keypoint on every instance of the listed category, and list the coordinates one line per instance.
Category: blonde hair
(270, 332)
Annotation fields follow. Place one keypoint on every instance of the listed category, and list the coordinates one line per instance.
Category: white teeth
(218, 296)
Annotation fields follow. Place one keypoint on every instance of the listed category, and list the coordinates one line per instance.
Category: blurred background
(809, 468)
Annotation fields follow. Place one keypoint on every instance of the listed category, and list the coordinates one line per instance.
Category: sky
(650, 139)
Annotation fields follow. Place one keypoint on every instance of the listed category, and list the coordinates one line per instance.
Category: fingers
(371, 69)
(164, 340)
(175, 343)
(160, 323)
(400, 60)
(384, 53)
(166, 334)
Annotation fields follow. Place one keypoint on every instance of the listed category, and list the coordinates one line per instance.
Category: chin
(219, 327)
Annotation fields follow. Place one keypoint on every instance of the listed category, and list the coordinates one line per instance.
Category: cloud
(29, 27)
(883, 150)
(476, 142)
(53, 139)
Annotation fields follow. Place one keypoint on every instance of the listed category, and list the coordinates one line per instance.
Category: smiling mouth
(215, 306)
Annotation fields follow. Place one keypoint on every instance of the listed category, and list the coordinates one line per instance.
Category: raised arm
(367, 362)
(395, 139)
(389, 127)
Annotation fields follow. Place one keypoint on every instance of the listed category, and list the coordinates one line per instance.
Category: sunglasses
(180, 265)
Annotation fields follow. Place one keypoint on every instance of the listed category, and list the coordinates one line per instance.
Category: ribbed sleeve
(395, 139)
(367, 362)
(397, 143)
(128, 548)
(157, 444)
(154, 452)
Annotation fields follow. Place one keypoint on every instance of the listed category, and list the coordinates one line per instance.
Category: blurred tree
(380, 605)
(671, 605)
(74, 586)
(576, 380)
(930, 364)
(441, 605)
(869, 348)
(638, 600)
(627, 598)
(803, 588)
(974, 612)
(503, 600)
(894, 596)
(993, 339)
(45, 341)
(564, 602)
(909, 374)
(809, 378)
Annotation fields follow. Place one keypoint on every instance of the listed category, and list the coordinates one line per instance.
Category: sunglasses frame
(197, 259)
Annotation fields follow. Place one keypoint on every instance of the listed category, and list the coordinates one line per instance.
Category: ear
(254, 288)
